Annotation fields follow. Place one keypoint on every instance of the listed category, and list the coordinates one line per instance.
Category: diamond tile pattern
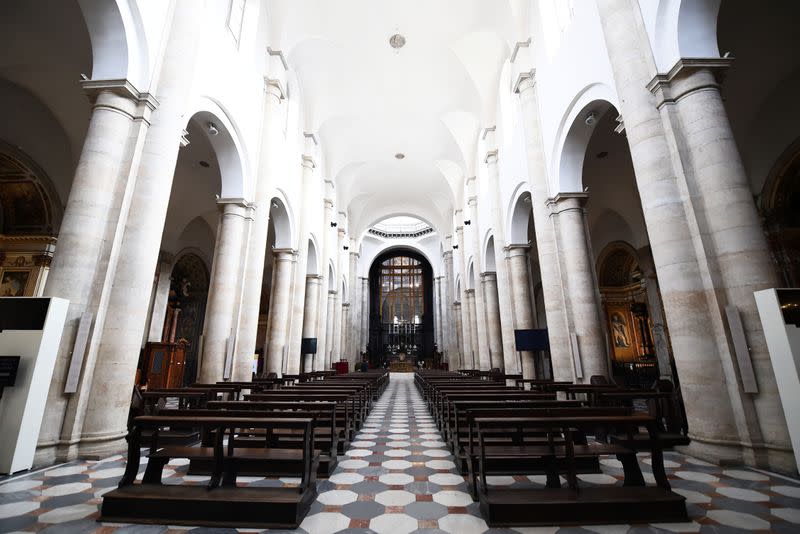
(399, 478)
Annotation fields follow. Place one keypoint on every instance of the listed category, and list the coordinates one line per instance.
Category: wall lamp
(467, 223)
(334, 224)
(346, 247)
(455, 247)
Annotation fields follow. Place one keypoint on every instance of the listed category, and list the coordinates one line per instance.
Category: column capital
(439, 278)
(328, 202)
(285, 254)
(274, 87)
(234, 201)
(332, 292)
(345, 304)
(517, 249)
(354, 253)
(460, 229)
(492, 157)
(525, 81)
(238, 207)
(676, 83)
(457, 304)
(314, 278)
(307, 162)
(447, 254)
(567, 201)
(121, 87)
(488, 275)
(469, 292)
(472, 201)
(468, 179)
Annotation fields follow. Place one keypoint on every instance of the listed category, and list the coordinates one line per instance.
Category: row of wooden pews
(268, 428)
(558, 430)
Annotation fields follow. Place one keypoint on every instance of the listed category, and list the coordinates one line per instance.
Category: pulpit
(164, 365)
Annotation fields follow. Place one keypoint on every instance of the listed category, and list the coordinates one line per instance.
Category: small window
(235, 19)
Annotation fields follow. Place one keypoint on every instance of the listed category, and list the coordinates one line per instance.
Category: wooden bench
(221, 503)
(345, 405)
(633, 502)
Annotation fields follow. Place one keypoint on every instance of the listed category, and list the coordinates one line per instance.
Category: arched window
(402, 290)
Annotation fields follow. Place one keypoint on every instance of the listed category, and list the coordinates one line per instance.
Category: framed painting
(13, 282)
(621, 332)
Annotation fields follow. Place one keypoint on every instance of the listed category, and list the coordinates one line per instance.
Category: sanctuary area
(399, 266)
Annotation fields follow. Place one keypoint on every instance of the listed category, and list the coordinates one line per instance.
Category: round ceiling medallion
(400, 155)
(397, 41)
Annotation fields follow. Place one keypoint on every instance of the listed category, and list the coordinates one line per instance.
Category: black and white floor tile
(397, 478)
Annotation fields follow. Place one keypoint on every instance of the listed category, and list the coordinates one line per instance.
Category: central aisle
(398, 476)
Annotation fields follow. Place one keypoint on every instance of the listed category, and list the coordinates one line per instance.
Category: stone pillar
(81, 257)
(437, 312)
(329, 329)
(517, 257)
(555, 308)
(345, 322)
(257, 240)
(451, 338)
(740, 261)
(473, 358)
(223, 290)
(280, 304)
(457, 361)
(112, 379)
(354, 301)
(313, 284)
(489, 285)
(582, 296)
(481, 345)
(466, 324)
(364, 313)
(704, 365)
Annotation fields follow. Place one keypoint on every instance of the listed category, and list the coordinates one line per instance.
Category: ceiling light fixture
(397, 41)
(212, 128)
(399, 155)
(204, 164)
(590, 119)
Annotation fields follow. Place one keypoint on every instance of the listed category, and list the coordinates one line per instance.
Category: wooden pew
(346, 404)
(221, 503)
(634, 502)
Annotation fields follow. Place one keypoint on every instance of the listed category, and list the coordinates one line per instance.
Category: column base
(731, 454)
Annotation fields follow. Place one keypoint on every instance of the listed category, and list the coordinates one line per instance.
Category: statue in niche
(619, 327)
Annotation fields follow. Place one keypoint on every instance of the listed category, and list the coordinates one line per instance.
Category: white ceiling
(368, 101)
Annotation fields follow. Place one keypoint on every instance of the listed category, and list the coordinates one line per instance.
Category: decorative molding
(665, 89)
(486, 131)
(467, 181)
(275, 86)
(279, 55)
(307, 161)
(312, 136)
(563, 198)
(525, 80)
(492, 156)
(517, 46)
(121, 87)
(235, 201)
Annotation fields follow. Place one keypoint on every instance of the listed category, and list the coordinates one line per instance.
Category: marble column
(81, 256)
(280, 304)
(354, 301)
(313, 284)
(451, 338)
(457, 362)
(582, 296)
(223, 290)
(437, 312)
(517, 257)
(345, 322)
(364, 313)
(704, 365)
(329, 330)
(740, 261)
(106, 414)
(481, 345)
(555, 308)
(489, 286)
(257, 241)
(160, 297)
(472, 358)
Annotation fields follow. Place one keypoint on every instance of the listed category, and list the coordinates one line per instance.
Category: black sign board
(8, 370)
(308, 345)
(23, 313)
(532, 339)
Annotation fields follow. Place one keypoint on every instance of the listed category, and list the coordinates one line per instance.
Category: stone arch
(685, 28)
(119, 47)
(471, 274)
(489, 261)
(595, 92)
(281, 222)
(226, 143)
(519, 216)
(617, 264)
(569, 176)
(28, 201)
(312, 261)
(331, 277)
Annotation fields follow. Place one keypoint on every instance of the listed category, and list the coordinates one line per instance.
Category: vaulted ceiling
(369, 101)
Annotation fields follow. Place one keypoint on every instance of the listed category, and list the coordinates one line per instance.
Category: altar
(401, 363)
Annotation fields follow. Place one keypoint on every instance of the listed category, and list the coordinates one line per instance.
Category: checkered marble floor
(398, 477)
